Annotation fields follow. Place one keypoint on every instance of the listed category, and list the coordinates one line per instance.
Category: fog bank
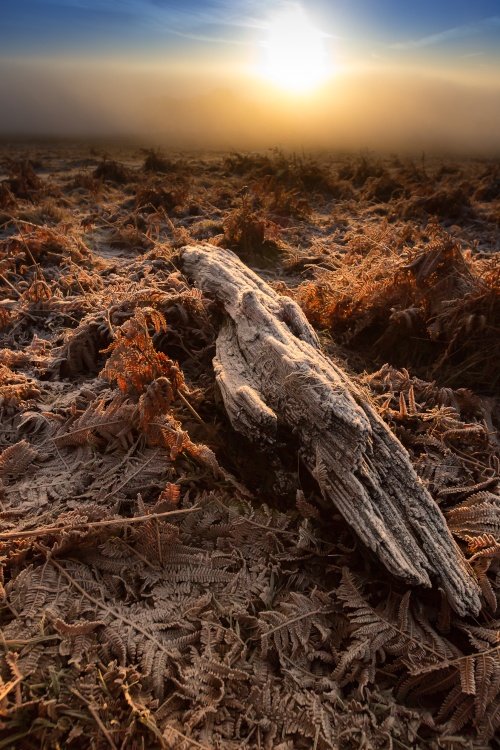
(196, 106)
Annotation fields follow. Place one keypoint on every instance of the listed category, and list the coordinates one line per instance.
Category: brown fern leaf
(481, 637)
(166, 431)
(52, 591)
(177, 740)
(84, 627)
(12, 358)
(387, 629)
(15, 459)
(155, 537)
(476, 516)
(155, 400)
(467, 676)
(490, 723)
(471, 683)
(79, 354)
(137, 472)
(38, 292)
(473, 490)
(15, 388)
(296, 623)
(477, 688)
(481, 567)
(305, 508)
(104, 421)
(484, 545)
(307, 721)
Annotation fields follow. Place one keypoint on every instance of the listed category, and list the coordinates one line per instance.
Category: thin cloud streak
(214, 13)
(205, 24)
(188, 24)
(458, 32)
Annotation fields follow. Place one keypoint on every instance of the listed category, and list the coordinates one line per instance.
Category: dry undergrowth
(166, 584)
(429, 305)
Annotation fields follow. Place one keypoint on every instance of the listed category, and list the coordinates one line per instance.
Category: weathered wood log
(270, 370)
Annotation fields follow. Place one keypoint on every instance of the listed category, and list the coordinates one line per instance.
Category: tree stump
(270, 370)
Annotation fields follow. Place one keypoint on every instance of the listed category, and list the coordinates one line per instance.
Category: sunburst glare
(294, 53)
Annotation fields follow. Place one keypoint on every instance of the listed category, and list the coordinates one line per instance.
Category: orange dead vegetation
(165, 583)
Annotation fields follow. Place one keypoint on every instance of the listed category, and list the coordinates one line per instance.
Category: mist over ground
(190, 106)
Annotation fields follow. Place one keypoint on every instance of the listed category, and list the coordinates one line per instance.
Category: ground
(169, 583)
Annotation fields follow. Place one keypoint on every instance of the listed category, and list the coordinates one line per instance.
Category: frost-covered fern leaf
(298, 623)
(390, 628)
(470, 685)
(297, 714)
(80, 606)
(15, 459)
(79, 355)
(60, 478)
(479, 514)
(105, 421)
(138, 473)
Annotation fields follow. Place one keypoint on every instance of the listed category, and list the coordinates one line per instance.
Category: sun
(294, 54)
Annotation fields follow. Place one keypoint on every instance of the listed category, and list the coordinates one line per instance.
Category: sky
(414, 70)
(143, 26)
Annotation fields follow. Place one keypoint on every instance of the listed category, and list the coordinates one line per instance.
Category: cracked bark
(270, 370)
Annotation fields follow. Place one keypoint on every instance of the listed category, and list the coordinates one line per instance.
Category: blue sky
(33, 27)
(189, 67)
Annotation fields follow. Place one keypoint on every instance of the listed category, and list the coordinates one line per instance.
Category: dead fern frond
(79, 354)
(159, 394)
(15, 459)
(296, 624)
(134, 362)
(170, 496)
(15, 388)
(104, 421)
(476, 516)
(387, 629)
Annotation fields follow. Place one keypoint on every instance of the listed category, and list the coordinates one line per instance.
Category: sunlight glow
(295, 56)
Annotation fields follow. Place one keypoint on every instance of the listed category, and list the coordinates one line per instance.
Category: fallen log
(270, 370)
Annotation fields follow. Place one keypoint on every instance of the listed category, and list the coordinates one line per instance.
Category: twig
(131, 476)
(96, 717)
(191, 408)
(304, 616)
(184, 737)
(127, 456)
(8, 687)
(111, 423)
(17, 642)
(60, 455)
(106, 608)
(11, 285)
(93, 524)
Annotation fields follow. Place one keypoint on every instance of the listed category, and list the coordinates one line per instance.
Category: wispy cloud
(180, 16)
(217, 22)
(197, 21)
(448, 35)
